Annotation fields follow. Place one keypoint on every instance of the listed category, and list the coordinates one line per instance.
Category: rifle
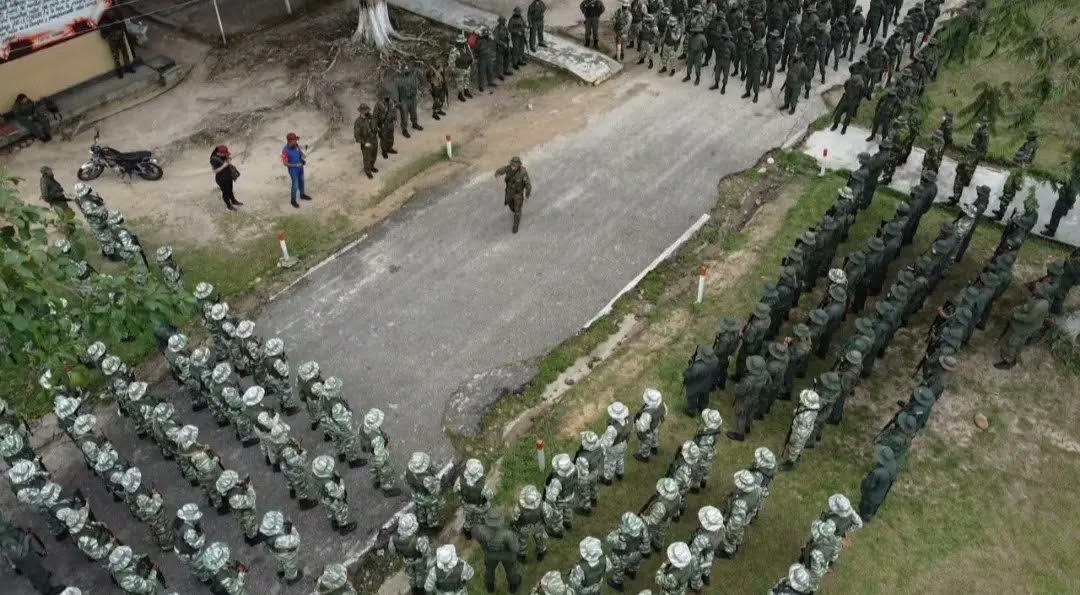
(706, 434)
(648, 504)
(41, 545)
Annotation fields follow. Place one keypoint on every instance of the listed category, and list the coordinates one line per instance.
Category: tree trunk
(373, 25)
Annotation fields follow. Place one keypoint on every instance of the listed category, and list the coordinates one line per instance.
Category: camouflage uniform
(294, 466)
(190, 535)
(518, 188)
(742, 504)
(132, 574)
(533, 517)
(242, 504)
(629, 545)
(615, 438)
(309, 376)
(377, 443)
(414, 549)
(450, 575)
(669, 46)
(273, 374)
(563, 486)
(674, 575)
(662, 510)
(334, 496)
(647, 423)
(282, 541)
(706, 538)
(426, 490)
(147, 505)
(339, 424)
(590, 462)
(587, 576)
(475, 495)
(461, 62)
(334, 580)
(199, 383)
(802, 427)
(705, 440)
(820, 551)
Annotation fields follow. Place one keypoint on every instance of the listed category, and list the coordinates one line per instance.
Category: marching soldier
(241, 499)
(475, 495)
(877, 483)
(147, 505)
(273, 374)
(309, 376)
(518, 188)
(133, 574)
(629, 544)
(748, 395)
(843, 516)
(753, 337)
(647, 424)
(533, 517)
(302, 483)
(189, 532)
(724, 346)
(414, 549)
(333, 495)
(377, 443)
(1026, 322)
(426, 491)
(820, 551)
(282, 541)
(699, 379)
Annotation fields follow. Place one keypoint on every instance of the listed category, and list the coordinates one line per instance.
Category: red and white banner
(29, 25)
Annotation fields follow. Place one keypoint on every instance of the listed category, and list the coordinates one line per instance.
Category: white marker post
(703, 274)
(541, 459)
(824, 156)
(449, 148)
(285, 261)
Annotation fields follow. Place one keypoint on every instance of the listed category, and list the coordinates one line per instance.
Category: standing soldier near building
(854, 92)
(450, 575)
(282, 541)
(334, 496)
(519, 30)
(505, 46)
(518, 188)
(385, 117)
(615, 439)
(696, 45)
(703, 544)
(475, 495)
(426, 490)
(414, 549)
(408, 93)
(674, 575)
(669, 46)
(366, 133)
(621, 24)
(647, 39)
(773, 50)
(629, 544)
(461, 62)
(755, 65)
(439, 88)
(794, 80)
(486, 54)
(647, 424)
(537, 8)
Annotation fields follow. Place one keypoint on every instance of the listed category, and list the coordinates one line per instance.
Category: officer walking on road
(518, 188)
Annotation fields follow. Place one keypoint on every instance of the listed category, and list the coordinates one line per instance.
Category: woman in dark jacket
(225, 174)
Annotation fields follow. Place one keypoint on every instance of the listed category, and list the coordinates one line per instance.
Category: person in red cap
(225, 174)
(293, 158)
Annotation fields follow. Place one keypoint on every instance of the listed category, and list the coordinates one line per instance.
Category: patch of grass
(400, 176)
(543, 82)
(239, 267)
(734, 242)
(956, 519)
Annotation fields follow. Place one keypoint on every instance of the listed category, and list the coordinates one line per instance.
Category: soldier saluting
(518, 187)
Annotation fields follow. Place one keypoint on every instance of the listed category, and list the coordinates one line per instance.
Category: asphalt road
(442, 290)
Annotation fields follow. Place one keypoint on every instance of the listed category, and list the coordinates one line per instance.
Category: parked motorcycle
(141, 163)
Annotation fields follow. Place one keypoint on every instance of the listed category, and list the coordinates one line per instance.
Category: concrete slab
(564, 54)
(844, 149)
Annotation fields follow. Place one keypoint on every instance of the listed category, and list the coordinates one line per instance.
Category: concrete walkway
(562, 53)
(843, 151)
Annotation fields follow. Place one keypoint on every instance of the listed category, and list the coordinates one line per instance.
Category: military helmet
(591, 549)
(819, 316)
(273, 347)
(474, 469)
(924, 396)
(764, 458)
(837, 275)
(227, 481)
(163, 253)
(801, 331)
(830, 380)
(679, 555)
(374, 417)
(407, 524)
(111, 365)
(65, 406)
(189, 512)
(949, 363)
(446, 556)
(419, 462)
(73, 518)
(799, 578)
(667, 487)
(837, 293)
(95, 351)
(219, 310)
(323, 467)
(515, 160)
(307, 370)
(552, 581)
(245, 329)
(907, 422)
(136, 391)
(221, 372)
(131, 479)
(630, 523)
(529, 497)
(755, 363)
(163, 411)
(711, 418)
(883, 455)
(120, 558)
(763, 310)
(203, 290)
(651, 397)
(929, 176)
(83, 424)
(517, 10)
(178, 342)
(710, 517)
(589, 440)
(690, 452)
(215, 556)
(840, 505)
(253, 395)
(21, 471)
(745, 480)
(562, 464)
(778, 350)
(809, 399)
(199, 356)
(273, 523)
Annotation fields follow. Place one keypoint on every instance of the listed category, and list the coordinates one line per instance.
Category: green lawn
(981, 512)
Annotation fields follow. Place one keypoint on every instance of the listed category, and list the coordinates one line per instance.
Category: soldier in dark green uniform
(776, 366)
(793, 82)
(748, 395)
(753, 337)
(828, 387)
(888, 108)
(835, 310)
(792, 39)
(486, 55)
(854, 92)
(773, 51)
(755, 64)
(898, 434)
(365, 133)
(855, 272)
(1013, 183)
(1026, 322)
(744, 41)
(500, 546)
(875, 487)
(848, 369)
(699, 380)
(724, 346)
(385, 116)
(696, 45)
(408, 91)
(518, 29)
(934, 153)
(518, 188)
(800, 346)
(788, 290)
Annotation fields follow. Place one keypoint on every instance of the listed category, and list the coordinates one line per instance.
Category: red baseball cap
(291, 136)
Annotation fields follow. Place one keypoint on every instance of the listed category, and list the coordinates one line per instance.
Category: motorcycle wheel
(91, 173)
(150, 171)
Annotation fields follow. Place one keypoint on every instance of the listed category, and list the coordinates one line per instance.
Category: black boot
(468, 94)
(461, 96)
(714, 86)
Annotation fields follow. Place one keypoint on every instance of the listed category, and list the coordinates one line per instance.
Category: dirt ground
(250, 95)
